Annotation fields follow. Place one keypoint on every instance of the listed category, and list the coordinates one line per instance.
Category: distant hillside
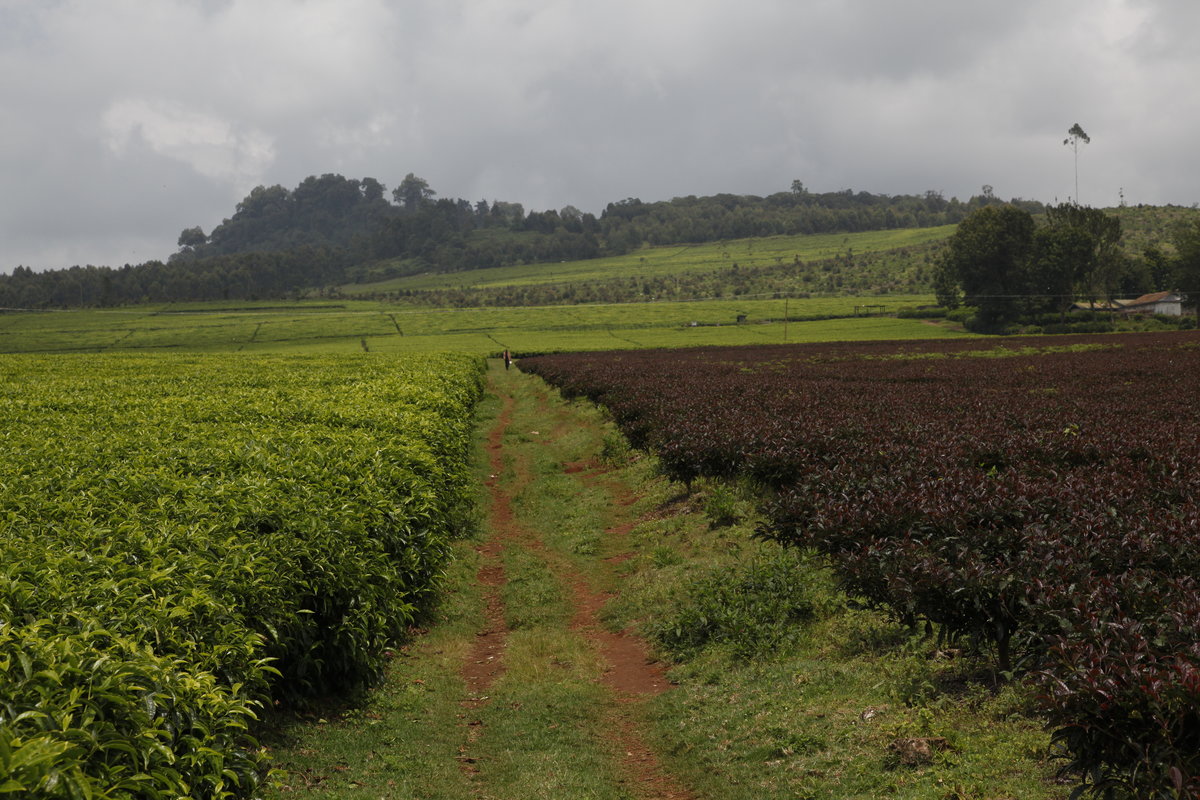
(331, 231)
(866, 263)
(1145, 227)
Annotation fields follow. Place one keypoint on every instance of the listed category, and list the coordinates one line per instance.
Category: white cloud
(211, 146)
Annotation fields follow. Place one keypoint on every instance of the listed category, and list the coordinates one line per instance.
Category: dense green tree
(1186, 238)
(1007, 266)
(945, 284)
(372, 190)
(255, 221)
(1098, 274)
(1159, 267)
(509, 214)
(331, 230)
(412, 193)
(192, 237)
(1058, 253)
(988, 256)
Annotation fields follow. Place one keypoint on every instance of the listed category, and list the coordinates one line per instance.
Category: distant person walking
(507, 358)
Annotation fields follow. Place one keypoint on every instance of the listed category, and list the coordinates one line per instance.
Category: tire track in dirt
(633, 677)
(629, 670)
(485, 663)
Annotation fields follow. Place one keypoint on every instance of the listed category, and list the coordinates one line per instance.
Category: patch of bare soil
(629, 669)
(634, 676)
(588, 467)
(486, 663)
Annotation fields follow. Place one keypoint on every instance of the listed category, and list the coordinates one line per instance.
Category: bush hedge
(184, 539)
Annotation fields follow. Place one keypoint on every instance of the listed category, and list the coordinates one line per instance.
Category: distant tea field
(651, 262)
(356, 326)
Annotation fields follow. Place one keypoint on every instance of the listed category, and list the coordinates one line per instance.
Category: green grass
(356, 325)
(808, 726)
(651, 261)
(766, 709)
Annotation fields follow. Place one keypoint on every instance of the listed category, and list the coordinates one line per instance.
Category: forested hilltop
(331, 230)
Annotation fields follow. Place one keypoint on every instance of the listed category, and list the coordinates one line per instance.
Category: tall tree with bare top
(1074, 136)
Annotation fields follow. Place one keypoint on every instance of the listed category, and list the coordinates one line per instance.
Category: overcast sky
(124, 121)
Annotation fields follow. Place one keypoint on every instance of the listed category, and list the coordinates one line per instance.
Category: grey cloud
(122, 122)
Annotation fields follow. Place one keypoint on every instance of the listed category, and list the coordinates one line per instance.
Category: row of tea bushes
(186, 538)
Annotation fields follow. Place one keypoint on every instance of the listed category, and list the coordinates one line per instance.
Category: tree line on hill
(331, 230)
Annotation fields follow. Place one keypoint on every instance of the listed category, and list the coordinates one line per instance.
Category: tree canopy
(988, 258)
(1186, 238)
(1007, 266)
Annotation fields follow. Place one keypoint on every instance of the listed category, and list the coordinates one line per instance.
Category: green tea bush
(220, 534)
(86, 713)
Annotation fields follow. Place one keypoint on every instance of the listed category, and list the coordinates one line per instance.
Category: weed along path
(553, 697)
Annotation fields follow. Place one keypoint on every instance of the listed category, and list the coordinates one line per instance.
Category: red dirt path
(629, 671)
